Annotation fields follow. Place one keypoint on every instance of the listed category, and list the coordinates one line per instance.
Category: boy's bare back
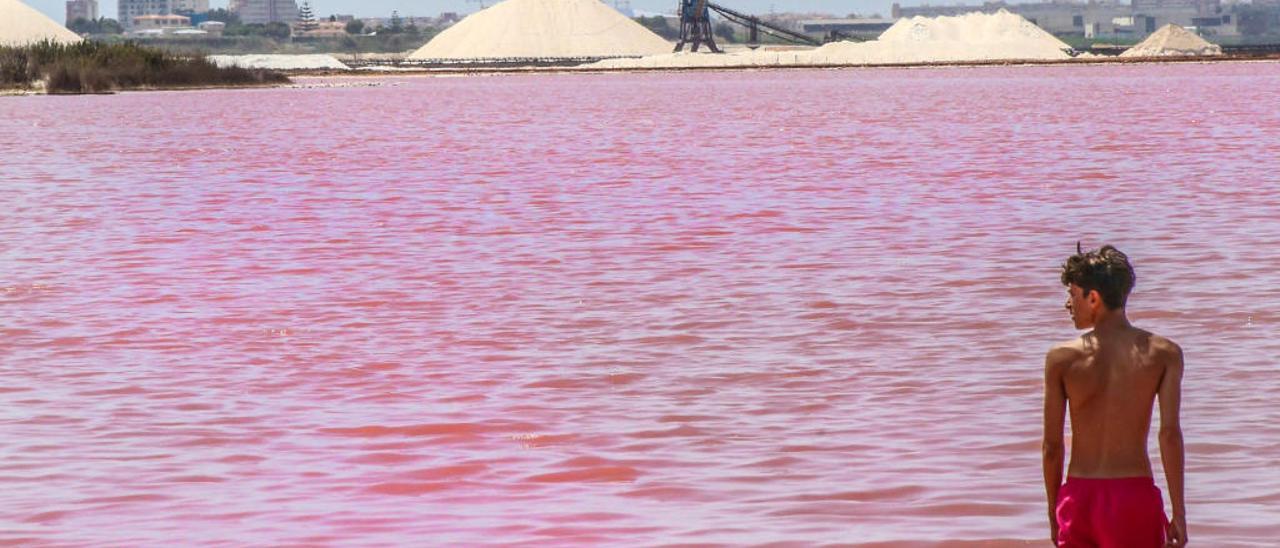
(1110, 381)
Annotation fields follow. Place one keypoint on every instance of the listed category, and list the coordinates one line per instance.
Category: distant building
(81, 9)
(373, 23)
(1132, 19)
(265, 11)
(149, 24)
(129, 9)
(859, 28)
(324, 28)
(214, 28)
(446, 19)
(189, 6)
(1147, 4)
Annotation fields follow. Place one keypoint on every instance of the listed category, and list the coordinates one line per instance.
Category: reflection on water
(805, 306)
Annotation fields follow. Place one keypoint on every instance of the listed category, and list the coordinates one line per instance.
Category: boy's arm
(1055, 403)
(1171, 449)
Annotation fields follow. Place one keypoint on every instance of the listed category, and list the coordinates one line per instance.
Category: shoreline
(482, 70)
(28, 92)
(479, 69)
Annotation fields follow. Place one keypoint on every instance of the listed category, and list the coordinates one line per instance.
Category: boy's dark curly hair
(1105, 270)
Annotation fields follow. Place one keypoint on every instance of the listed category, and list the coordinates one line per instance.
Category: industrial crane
(695, 26)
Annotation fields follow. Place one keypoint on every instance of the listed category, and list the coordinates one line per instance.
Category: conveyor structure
(695, 26)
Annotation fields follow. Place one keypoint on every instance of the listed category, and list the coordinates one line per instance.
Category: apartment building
(265, 11)
(81, 9)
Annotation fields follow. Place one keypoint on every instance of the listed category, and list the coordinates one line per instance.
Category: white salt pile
(973, 37)
(1172, 40)
(544, 29)
(280, 62)
(21, 24)
(996, 36)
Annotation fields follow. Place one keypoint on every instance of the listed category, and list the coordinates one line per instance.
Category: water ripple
(737, 308)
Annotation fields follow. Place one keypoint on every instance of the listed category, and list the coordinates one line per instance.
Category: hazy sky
(376, 8)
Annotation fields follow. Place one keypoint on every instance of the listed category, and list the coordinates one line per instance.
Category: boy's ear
(1093, 297)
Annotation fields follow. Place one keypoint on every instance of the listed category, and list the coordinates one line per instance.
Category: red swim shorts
(1111, 513)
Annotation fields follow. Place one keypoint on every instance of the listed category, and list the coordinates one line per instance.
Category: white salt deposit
(1170, 41)
(386, 68)
(996, 36)
(21, 24)
(544, 29)
(973, 37)
(279, 62)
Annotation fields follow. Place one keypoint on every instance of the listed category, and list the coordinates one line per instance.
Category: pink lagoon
(719, 308)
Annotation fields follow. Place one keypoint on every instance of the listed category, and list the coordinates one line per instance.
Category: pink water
(802, 307)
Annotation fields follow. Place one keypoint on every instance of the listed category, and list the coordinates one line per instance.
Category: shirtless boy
(1110, 376)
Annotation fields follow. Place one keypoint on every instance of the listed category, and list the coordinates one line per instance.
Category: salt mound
(996, 36)
(21, 24)
(972, 37)
(279, 62)
(542, 29)
(1172, 40)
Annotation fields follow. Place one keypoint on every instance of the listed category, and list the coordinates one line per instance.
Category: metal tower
(695, 25)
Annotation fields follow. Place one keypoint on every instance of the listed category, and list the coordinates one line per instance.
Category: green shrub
(15, 68)
(96, 67)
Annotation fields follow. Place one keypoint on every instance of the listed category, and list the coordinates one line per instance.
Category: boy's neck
(1111, 320)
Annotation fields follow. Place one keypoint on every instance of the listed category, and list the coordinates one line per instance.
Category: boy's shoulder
(1158, 345)
(1065, 353)
(1078, 345)
(1165, 348)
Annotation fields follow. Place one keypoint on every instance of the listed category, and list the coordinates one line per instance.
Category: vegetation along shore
(97, 67)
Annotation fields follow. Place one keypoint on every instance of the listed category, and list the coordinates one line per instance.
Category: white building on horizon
(262, 12)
